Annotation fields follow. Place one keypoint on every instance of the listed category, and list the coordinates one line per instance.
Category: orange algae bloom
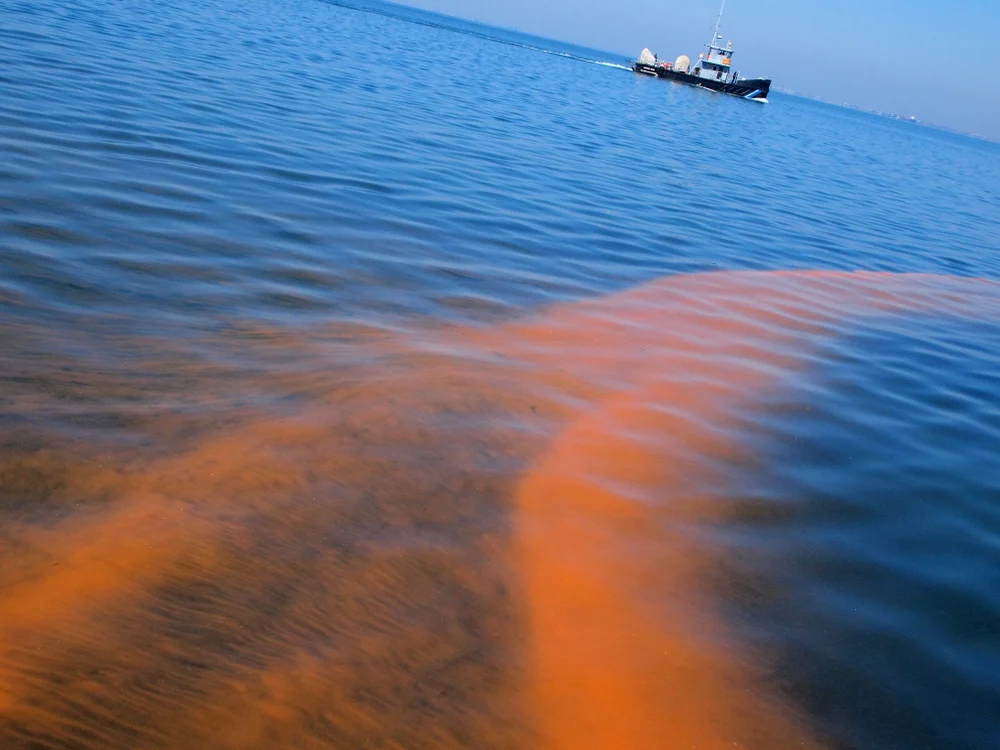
(467, 537)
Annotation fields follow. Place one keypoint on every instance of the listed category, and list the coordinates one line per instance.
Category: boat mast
(718, 24)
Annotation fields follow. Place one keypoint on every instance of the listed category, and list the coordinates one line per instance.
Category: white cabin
(715, 64)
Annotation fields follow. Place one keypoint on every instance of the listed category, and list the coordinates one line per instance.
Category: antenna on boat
(718, 24)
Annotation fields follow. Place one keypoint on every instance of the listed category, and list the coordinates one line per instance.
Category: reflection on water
(412, 537)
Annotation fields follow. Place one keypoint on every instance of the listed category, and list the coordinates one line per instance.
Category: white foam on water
(611, 65)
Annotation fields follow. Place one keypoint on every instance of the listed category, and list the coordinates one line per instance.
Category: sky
(937, 60)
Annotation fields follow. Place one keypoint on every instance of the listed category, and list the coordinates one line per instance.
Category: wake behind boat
(712, 71)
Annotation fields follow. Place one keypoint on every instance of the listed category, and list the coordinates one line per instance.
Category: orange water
(461, 537)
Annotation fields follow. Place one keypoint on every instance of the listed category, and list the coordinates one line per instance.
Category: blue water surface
(296, 159)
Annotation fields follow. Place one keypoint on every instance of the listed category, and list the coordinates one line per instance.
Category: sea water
(373, 378)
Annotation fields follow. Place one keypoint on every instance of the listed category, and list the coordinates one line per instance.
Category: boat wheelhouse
(715, 66)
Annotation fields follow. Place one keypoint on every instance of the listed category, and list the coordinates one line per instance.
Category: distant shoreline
(890, 115)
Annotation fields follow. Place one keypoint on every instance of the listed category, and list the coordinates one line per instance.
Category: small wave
(570, 56)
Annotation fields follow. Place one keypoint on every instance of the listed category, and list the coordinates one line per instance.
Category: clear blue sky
(938, 60)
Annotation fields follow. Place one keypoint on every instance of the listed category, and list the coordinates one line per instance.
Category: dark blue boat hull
(745, 88)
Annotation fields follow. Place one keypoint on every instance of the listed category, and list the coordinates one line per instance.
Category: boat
(713, 70)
